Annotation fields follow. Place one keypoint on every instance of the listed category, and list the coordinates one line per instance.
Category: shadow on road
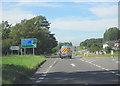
(53, 56)
(86, 77)
(64, 57)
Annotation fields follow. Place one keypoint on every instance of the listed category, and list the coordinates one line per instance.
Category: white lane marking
(81, 59)
(50, 66)
(38, 81)
(113, 59)
(101, 67)
(107, 69)
(41, 77)
(45, 73)
(118, 74)
(92, 61)
(72, 65)
(98, 66)
(112, 71)
(117, 62)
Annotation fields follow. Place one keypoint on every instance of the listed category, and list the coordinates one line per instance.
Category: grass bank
(18, 68)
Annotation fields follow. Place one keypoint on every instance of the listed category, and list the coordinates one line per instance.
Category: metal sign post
(24, 51)
(33, 51)
(21, 51)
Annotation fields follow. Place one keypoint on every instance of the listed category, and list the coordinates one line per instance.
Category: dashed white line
(117, 74)
(92, 61)
(41, 77)
(45, 73)
(101, 67)
(72, 65)
(107, 69)
(81, 59)
(38, 81)
(51, 66)
(112, 71)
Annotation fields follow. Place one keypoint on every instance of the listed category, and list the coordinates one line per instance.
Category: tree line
(96, 44)
(37, 27)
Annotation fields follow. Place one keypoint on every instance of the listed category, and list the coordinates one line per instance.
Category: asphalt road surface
(77, 70)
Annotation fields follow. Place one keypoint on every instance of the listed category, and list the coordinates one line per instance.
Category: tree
(5, 28)
(68, 43)
(37, 27)
(111, 34)
(92, 44)
(109, 48)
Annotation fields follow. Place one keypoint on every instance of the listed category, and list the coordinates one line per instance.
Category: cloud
(83, 25)
(105, 11)
(40, 4)
(60, 1)
(105, 16)
(16, 15)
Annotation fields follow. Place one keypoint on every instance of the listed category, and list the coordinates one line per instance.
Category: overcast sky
(72, 21)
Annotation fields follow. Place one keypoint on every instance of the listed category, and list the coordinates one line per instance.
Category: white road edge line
(51, 66)
(45, 73)
(100, 67)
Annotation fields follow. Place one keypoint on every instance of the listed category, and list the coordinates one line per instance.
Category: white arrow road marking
(72, 65)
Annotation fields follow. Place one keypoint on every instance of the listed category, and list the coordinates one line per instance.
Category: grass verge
(102, 55)
(16, 69)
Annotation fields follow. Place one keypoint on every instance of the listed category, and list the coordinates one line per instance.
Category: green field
(18, 68)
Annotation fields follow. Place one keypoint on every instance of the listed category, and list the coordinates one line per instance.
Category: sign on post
(14, 48)
(28, 43)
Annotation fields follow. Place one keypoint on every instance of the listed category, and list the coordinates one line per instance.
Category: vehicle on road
(101, 52)
(65, 51)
